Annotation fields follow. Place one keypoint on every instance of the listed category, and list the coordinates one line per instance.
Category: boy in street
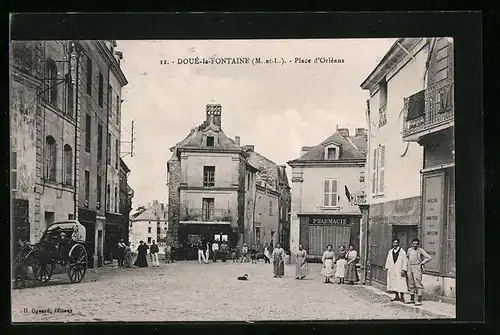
(153, 251)
(417, 258)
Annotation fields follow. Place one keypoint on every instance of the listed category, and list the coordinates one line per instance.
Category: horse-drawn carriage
(61, 245)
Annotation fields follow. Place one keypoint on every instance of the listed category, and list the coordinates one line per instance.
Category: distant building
(149, 225)
(326, 178)
(210, 185)
(411, 157)
(272, 200)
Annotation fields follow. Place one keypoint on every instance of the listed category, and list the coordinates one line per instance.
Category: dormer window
(332, 152)
(210, 141)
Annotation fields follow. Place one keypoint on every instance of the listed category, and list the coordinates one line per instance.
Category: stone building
(43, 136)
(272, 200)
(326, 178)
(149, 225)
(64, 95)
(210, 187)
(411, 157)
(126, 194)
(99, 85)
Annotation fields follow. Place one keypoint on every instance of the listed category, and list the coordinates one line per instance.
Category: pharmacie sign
(330, 220)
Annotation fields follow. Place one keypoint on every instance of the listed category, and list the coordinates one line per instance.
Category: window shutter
(334, 193)
(374, 174)
(326, 201)
(381, 169)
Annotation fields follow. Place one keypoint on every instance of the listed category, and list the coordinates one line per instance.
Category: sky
(276, 107)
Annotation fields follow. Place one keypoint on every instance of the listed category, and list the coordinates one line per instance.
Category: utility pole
(132, 139)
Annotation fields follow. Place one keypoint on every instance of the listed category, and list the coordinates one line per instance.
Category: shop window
(450, 265)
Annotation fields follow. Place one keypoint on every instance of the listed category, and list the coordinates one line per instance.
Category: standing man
(153, 251)
(201, 254)
(267, 254)
(215, 250)
(223, 251)
(121, 252)
(417, 258)
(396, 266)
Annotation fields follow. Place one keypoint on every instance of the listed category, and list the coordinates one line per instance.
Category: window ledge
(378, 196)
(330, 208)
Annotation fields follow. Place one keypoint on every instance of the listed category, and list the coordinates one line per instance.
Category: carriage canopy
(73, 228)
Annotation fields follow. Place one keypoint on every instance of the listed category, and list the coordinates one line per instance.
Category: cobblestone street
(188, 291)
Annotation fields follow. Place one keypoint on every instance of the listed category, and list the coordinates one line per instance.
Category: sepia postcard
(158, 180)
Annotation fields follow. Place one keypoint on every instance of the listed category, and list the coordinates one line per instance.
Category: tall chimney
(237, 140)
(214, 112)
(344, 132)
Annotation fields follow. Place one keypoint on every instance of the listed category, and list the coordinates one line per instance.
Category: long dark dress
(279, 262)
(351, 274)
(141, 260)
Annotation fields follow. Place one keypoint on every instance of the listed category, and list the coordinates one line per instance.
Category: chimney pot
(214, 112)
(237, 140)
(344, 132)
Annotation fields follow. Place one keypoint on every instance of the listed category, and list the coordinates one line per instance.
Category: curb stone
(419, 309)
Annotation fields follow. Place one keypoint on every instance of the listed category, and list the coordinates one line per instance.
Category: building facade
(149, 225)
(208, 187)
(411, 158)
(100, 81)
(126, 195)
(269, 198)
(284, 207)
(325, 180)
(44, 136)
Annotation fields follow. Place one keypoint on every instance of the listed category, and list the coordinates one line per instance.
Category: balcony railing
(201, 215)
(430, 109)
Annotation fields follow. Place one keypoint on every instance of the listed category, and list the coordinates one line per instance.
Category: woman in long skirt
(278, 261)
(351, 275)
(142, 261)
(340, 265)
(328, 261)
(128, 256)
(301, 265)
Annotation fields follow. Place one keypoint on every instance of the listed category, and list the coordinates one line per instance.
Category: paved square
(188, 291)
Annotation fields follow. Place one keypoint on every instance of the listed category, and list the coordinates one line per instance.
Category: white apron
(395, 281)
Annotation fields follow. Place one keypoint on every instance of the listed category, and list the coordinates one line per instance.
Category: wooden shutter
(381, 172)
(326, 193)
(374, 173)
(334, 192)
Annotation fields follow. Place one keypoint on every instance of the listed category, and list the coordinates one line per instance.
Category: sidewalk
(429, 308)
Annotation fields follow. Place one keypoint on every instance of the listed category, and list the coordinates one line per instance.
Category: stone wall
(174, 168)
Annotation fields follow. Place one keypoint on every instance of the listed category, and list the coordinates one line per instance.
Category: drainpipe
(107, 196)
(77, 73)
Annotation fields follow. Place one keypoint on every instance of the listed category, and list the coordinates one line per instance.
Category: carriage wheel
(43, 273)
(77, 266)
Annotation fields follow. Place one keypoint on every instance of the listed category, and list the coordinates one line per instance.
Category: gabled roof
(153, 213)
(351, 148)
(268, 169)
(195, 138)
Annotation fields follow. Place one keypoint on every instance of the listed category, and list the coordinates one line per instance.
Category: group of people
(125, 254)
(219, 252)
(341, 266)
(404, 271)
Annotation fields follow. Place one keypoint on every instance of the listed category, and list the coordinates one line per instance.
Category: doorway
(405, 234)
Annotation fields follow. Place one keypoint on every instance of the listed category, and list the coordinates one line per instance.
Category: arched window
(50, 158)
(52, 81)
(68, 165)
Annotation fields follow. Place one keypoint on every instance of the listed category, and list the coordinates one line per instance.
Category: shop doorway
(405, 234)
